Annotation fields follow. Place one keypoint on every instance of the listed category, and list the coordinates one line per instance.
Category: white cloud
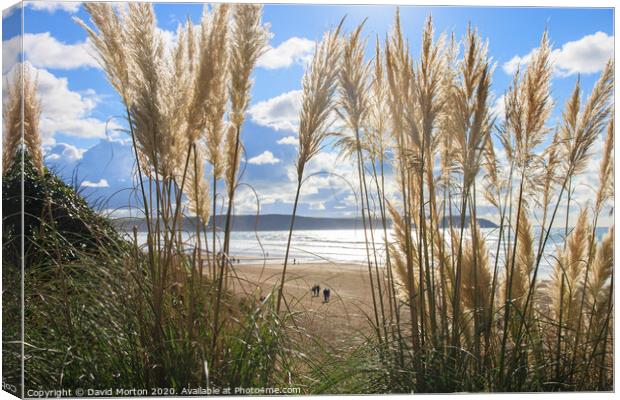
(8, 12)
(52, 6)
(266, 157)
(42, 50)
(65, 151)
(169, 38)
(11, 50)
(510, 66)
(124, 212)
(327, 170)
(329, 184)
(318, 205)
(289, 140)
(499, 108)
(280, 112)
(103, 183)
(45, 51)
(294, 50)
(64, 110)
(80, 127)
(587, 55)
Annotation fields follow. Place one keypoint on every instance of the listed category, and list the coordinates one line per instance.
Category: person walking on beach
(326, 294)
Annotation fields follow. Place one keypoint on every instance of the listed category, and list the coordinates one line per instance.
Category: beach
(347, 311)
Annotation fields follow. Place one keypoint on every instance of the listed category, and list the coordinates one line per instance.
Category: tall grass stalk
(248, 43)
(319, 86)
(353, 108)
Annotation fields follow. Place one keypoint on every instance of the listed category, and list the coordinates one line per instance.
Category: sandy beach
(347, 311)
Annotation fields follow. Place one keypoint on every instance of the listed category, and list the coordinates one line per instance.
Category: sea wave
(349, 246)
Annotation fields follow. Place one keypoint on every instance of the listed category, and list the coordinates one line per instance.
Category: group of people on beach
(232, 260)
(316, 290)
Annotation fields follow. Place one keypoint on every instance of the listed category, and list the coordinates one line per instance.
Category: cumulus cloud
(266, 157)
(511, 66)
(102, 183)
(52, 6)
(329, 186)
(279, 113)
(67, 111)
(42, 50)
(45, 51)
(295, 50)
(11, 52)
(289, 140)
(587, 55)
(64, 110)
(327, 170)
(319, 188)
(64, 151)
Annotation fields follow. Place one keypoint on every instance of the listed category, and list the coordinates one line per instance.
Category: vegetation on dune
(51, 208)
(449, 312)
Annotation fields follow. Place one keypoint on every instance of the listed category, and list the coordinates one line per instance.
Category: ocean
(348, 245)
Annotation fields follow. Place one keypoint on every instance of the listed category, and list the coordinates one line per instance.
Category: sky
(80, 109)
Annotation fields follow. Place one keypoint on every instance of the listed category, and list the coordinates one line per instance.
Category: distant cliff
(456, 222)
(279, 222)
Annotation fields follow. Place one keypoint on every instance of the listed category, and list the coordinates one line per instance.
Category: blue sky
(77, 100)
